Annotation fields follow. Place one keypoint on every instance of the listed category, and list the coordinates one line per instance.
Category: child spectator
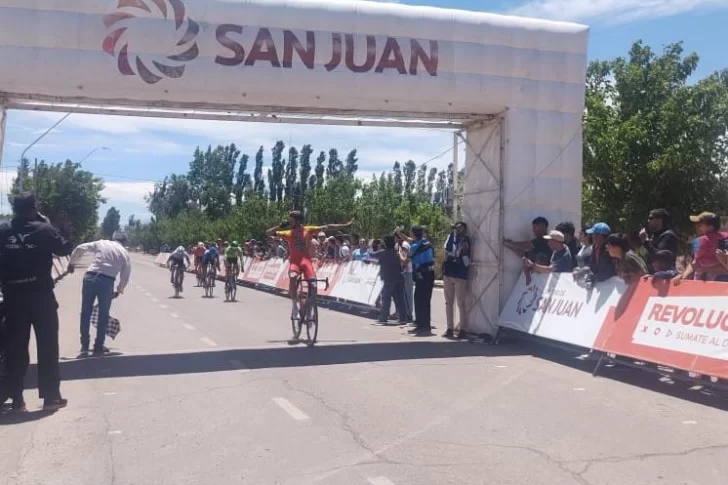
(662, 263)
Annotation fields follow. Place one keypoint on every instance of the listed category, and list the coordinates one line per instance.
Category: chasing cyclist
(233, 259)
(299, 238)
(211, 256)
(177, 260)
(199, 253)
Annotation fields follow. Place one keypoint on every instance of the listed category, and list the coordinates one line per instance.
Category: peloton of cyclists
(233, 258)
(299, 238)
(177, 260)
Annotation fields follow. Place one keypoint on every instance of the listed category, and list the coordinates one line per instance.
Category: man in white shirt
(110, 260)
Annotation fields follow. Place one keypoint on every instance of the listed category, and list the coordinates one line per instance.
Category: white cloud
(612, 11)
(129, 192)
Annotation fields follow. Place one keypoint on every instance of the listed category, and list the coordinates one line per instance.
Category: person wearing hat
(111, 260)
(658, 236)
(561, 258)
(600, 264)
(706, 264)
(27, 246)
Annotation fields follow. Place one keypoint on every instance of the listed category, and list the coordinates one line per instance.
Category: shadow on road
(266, 358)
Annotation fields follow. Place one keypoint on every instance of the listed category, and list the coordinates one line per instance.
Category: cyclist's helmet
(180, 250)
(296, 216)
(200, 245)
(235, 244)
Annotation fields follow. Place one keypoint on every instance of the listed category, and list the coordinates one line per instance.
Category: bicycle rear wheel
(233, 288)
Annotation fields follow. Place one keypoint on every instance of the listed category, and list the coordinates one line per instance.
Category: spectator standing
(561, 259)
(537, 249)
(658, 235)
(706, 265)
(585, 251)
(27, 246)
(110, 260)
(407, 279)
(455, 279)
(663, 267)
(629, 266)
(601, 266)
(390, 271)
(344, 249)
(423, 273)
(570, 239)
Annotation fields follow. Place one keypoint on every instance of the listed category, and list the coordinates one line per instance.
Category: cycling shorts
(231, 262)
(303, 267)
(177, 262)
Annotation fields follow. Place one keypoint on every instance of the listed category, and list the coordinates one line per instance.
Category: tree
(291, 173)
(170, 197)
(67, 193)
(305, 170)
(352, 163)
(431, 177)
(276, 183)
(258, 182)
(409, 176)
(242, 181)
(335, 165)
(320, 169)
(398, 185)
(652, 139)
(111, 221)
(440, 188)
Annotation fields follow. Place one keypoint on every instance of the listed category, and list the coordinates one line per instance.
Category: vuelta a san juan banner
(683, 326)
(556, 307)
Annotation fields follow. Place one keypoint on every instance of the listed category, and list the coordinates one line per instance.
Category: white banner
(557, 307)
(273, 269)
(696, 325)
(255, 271)
(358, 282)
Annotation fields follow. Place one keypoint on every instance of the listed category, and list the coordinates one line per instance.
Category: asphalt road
(204, 391)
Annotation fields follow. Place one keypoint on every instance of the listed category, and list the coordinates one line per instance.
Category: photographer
(455, 278)
(27, 246)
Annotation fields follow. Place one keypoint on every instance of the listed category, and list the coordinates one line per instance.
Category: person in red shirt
(199, 252)
(705, 263)
(299, 239)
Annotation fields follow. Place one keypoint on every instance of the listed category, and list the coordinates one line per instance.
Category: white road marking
(236, 364)
(174, 315)
(155, 300)
(380, 481)
(579, 389)
(209, 342)
(501, 366)
(115, 432)
(148, 295)
(163, 307)
(109, 394)
(689, 422)
(188, 326)
(292, 410)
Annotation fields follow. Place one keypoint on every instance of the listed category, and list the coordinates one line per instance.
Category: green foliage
(111, 221)
(652, 139)
(65, 193)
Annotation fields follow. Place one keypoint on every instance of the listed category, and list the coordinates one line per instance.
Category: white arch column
(483, 211)
(3, 123)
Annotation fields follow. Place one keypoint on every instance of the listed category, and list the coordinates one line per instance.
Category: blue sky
(142, 150)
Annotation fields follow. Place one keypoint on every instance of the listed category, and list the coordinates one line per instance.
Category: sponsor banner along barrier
(352, 281)
(556, 307)
(684, 327)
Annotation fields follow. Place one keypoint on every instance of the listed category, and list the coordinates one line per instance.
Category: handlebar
(317, 280)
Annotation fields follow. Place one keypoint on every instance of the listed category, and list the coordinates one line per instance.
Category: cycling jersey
(298, 247)
(210, 256)
(199, 252)
(177, 259)
(233, 253)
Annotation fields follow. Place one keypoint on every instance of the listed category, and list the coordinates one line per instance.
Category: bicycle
(177, 278)
(308, 310)
(231, 284)
(200, 274)
(209, 283)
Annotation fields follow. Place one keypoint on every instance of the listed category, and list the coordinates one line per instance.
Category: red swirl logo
(151, 67)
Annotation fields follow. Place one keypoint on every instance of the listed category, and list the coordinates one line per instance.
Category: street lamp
(92, 152)
(21, 175)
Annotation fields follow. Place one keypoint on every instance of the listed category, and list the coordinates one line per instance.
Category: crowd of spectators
(599, 254)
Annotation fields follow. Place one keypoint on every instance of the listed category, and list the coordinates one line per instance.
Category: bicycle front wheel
(312, 323)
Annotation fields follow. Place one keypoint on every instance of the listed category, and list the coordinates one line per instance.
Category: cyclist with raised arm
(177, 260)
(299, 238)
(233, 258)
(211, 256)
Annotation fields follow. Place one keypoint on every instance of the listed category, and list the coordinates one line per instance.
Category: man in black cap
(658, 236)
(27, 246)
